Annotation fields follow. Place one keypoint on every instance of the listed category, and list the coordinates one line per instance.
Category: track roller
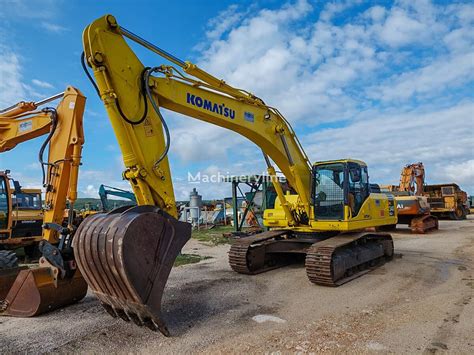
(339, 259)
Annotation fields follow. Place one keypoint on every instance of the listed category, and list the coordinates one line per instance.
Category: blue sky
(386, 82)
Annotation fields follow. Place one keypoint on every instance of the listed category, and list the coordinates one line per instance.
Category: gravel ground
(422, 302)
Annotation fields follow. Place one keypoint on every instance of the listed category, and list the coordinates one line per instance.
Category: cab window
(30, 201)
(3, 204)
(328, 193)
(358, 187)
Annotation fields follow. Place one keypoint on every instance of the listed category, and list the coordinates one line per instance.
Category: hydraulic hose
(146, 92)
(54, 123)
(156, 108)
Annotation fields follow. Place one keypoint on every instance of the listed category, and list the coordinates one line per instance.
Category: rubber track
(239, 249)
(319, 260)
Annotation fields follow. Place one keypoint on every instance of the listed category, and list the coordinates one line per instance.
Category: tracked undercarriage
(330, 260)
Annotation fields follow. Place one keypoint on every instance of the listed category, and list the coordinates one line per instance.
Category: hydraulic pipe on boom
(134, 248)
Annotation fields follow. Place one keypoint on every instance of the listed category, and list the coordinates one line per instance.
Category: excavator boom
(412, 178)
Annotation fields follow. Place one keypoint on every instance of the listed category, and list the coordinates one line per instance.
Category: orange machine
(413, 208)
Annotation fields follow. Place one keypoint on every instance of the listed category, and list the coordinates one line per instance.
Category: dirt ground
(421, 302)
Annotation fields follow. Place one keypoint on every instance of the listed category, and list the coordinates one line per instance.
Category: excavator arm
(412, 178)
(55, 283)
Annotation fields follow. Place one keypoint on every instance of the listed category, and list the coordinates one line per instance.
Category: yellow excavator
(126, 255)
(56, 282)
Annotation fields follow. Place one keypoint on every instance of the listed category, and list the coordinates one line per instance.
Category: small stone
(262, 318)
(372, 345)
(440, 345)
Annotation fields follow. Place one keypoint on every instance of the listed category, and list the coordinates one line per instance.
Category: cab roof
(343, 161)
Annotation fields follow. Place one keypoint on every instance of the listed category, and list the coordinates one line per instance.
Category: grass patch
(184, 259)
(213, 236)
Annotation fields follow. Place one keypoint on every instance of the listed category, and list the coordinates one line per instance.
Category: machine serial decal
(26, 126)
(210, 106)
(248, 116)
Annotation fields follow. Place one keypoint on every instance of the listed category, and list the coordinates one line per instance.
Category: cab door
(358, 187)
(5, 208)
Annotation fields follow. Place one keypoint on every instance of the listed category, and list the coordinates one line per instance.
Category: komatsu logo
(220, 109)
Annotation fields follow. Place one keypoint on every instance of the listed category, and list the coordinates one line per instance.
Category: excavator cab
(340, 189)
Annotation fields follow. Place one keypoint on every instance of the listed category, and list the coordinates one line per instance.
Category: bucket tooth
(126, 257)
(110, 310)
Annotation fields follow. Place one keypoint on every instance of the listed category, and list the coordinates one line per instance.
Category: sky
(389, 83)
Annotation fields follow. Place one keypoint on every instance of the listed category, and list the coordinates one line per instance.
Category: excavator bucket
(126, 256)
(7, 278)
(30, 292)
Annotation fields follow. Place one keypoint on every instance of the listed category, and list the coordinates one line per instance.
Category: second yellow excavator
(55, 282)
(126, 255)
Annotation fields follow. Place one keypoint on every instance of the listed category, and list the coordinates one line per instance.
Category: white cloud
(413, 56)
(223, 22)
(90, 180)
(400, 29)
(429, 80)
(53, 28)
(387, 142)
(42, 84)
(28, 9)
(11, 87)
(332, 9)
(462, 173)
(194, 141)
(376, 13)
